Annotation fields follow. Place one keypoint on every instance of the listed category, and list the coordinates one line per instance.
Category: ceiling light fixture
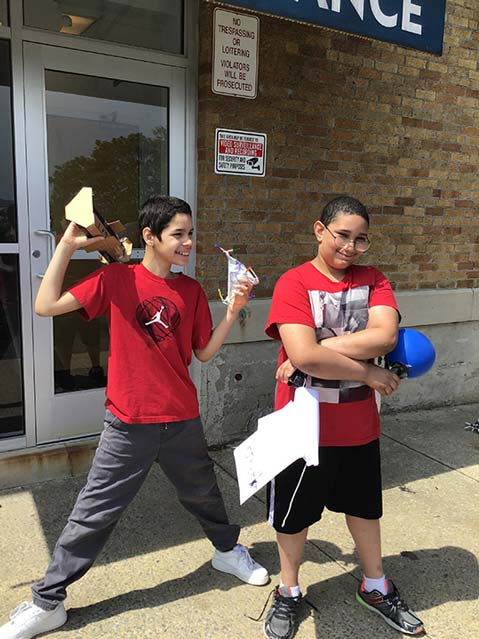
(75, 25)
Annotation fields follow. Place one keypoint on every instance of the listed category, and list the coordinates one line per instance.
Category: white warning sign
(235, 54)
(240, 152)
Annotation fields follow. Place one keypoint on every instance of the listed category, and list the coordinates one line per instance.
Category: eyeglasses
(360, 244)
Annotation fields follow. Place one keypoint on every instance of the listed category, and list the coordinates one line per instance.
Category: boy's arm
(218, 336)
(310, 357)
(50, 300)
(378, 338)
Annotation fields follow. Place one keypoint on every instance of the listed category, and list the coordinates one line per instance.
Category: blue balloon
(414, 351)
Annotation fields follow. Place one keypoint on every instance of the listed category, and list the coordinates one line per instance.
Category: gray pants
(123, 458)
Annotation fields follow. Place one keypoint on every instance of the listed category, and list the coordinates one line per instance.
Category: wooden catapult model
(115, 246)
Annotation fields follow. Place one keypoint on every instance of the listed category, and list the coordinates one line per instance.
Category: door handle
(51, 241)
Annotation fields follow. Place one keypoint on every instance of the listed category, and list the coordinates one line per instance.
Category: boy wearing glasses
(332, 318)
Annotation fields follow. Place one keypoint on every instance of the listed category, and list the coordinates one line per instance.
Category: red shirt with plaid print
(303, 295)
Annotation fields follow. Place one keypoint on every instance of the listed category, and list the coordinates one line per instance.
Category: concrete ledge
(428, 308)
(475, 303)
(418, 308)
(33, 465)
(249, 329)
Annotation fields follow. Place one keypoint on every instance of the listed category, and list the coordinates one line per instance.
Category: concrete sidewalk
(154, 578)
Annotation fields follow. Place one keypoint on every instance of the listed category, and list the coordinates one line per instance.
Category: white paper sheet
(282, 437)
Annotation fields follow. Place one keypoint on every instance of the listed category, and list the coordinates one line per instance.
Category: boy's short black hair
(343, 205)
(158, 211)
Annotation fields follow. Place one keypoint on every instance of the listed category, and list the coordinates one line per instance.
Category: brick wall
(394, 127)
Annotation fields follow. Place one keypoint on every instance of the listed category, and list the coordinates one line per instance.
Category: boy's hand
(75, 238)
(285, 371)
(241, 296)
(381, 380)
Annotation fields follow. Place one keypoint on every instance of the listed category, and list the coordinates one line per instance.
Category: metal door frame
(20, 37)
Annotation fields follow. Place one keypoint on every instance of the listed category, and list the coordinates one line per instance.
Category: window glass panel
(110, 135)
(80, 347)
(8, 222)
(3, 13)
(11, 388)
(150, 24)
(113, 136)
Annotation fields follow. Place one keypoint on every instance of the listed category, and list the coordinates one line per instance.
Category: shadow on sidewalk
(434, 575)
(156, 507)
(201, 580)
(427, 578)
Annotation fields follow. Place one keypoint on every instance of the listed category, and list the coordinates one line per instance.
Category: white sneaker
(28, 620)
(239, 563)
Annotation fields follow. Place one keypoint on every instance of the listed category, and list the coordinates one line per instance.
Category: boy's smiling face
(338, 241)
(175, 243)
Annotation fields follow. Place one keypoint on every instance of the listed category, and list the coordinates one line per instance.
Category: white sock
(370, 584)
(289, 591)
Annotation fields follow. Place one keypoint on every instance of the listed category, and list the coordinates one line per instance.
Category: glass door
(12, 413)
(117, 126)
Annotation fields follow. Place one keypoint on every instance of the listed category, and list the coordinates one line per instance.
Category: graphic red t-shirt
(303, 295)
(155, 323)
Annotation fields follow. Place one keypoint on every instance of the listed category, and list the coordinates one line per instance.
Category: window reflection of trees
(11, 390)
(8, 220)
(123, 172)
(3, 13)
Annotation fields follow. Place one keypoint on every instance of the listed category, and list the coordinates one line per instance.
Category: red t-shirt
(303, 295)
(155, 323)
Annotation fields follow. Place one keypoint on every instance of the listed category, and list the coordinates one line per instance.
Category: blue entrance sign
(418, 24)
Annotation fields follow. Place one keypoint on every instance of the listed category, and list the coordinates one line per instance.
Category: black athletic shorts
(347, 480)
